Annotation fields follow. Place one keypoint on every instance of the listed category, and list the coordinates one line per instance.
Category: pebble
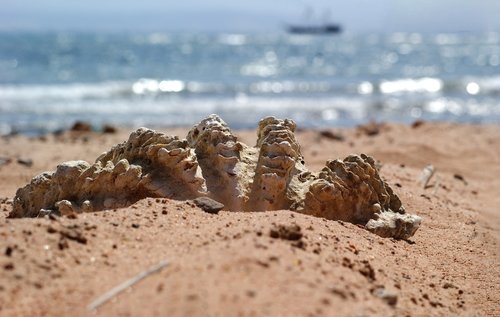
(108, 129)
(332, 135)
(8, 251)
(387, 296)
(81, 126)
(208, 205)
(286, 232)
(25, 161)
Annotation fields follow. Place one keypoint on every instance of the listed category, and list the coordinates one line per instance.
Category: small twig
(426, 175)
(123, 286)
(436, 186)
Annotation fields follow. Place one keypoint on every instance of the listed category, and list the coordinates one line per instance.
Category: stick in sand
(426, 175)
(436, 186)
(123, 286)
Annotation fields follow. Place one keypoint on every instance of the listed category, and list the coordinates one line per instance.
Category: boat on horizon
(315, 29)
(311, 25)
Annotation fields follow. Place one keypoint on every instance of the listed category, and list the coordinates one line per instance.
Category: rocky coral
(149, 164)
(391, 224)
(212, 162)
(278, 166)
(226, 164)
(350, 190)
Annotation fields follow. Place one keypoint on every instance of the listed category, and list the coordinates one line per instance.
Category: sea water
(50, 80)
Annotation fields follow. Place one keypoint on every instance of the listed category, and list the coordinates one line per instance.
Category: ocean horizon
(49, 80)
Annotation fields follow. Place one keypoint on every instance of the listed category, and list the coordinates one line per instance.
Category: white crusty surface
(278, 165)
(212, 162)
(227, 165)
(395, 225)
(149, 164)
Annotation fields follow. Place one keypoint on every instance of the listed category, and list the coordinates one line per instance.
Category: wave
(68, 91)
(243, 112)
(169, 87)
(35, 109)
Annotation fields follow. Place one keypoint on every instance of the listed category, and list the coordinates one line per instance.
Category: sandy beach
(230, 265)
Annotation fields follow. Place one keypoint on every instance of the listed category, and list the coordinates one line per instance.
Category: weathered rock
(81, 126)
(211, 162)
(393, 224)
(350, 190)
(276, 183)
(371, 128)
(328, 134)
(168, 166)
(25, 161)
(149, 164)
(107, 128)
(227, 165)
(208, 205)
(390, 297)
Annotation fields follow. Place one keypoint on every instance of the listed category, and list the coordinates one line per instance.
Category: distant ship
(315, 29)
(312, 27)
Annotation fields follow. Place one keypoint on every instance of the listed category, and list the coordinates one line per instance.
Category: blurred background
(322, 63)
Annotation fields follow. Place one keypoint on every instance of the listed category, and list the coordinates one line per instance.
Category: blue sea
(50, 80)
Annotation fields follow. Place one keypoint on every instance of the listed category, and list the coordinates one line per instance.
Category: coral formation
(226, 164)
(391, 224)
(211, 162)
(278, 166)
(149, 164)
(350, 190)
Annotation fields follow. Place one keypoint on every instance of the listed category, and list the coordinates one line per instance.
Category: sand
(231, 263)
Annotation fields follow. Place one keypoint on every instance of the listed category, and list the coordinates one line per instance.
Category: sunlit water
(50, 80)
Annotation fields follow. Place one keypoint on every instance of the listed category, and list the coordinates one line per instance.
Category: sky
(255, 15)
